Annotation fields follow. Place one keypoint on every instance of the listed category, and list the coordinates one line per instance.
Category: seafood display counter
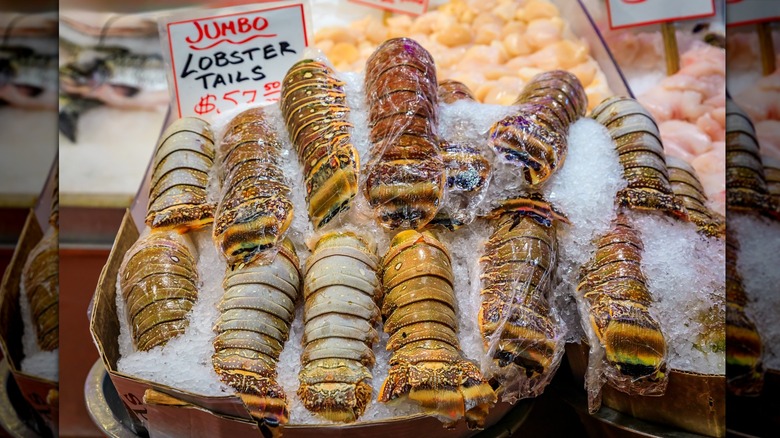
(482, 219)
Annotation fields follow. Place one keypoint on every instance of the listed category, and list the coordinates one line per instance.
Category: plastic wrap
(466, 167)
(341, 289)
(40, 278)
(427, 365)
(182, 162)
(253, 324)
(522, 332)
(627, 348)
(535, 137)
(405, 176)
(315, 111)
(641, 152)
(159, 284)
(255, 210)
(690, 194)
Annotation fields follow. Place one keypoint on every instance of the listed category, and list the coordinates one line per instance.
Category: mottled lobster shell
(253, 324)
(313, 98)
(180, 169)
(641, 153)
(255, 210)
(42, 288)
(690, 193)
(772, 175)
(405, 176)
(427, 365)
(159, 284)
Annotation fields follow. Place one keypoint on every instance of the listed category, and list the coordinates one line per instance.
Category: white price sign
(630, 13)
(742, 12)
(222, 58)
(412, 7)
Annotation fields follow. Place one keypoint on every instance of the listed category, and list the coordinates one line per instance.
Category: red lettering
(243, 25)
(199, 30)
(219, 32)
(630, 2)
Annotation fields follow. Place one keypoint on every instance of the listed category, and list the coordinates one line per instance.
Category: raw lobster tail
(255, 316)
(641, 154)
(255, 210)
(517, 325)
(341, 289)
(744, 349)
(315, 110)
(405, 177)
(451, 91)
(159, 284)
(746, 188)
(772, 175)
(535, 137)
(690, 193)
(419, 312)
(42, 287)
(177, 194)
(615, 292)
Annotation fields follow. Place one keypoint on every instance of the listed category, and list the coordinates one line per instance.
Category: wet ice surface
(583, 188)
(757, 262)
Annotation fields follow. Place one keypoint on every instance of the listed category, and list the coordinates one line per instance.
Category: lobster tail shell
(690, 193)
(42, 287)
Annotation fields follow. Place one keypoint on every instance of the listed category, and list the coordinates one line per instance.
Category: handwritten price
(213, 102)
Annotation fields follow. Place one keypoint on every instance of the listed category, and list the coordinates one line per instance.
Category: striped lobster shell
(42, 287)
(315, 110)
(535, 137)
(772, 175)
(689, 192)
(641, 153)
(426, 364)
(341, 289)
(405, 176)
(255, 210)
(515, 319)
(159, 284)
(254, 321)
(744, 348)
(746, 188)
(615, 291)
(177, 194)
(451, 91)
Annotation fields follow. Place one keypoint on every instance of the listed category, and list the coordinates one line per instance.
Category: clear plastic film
(315, 109)
(523, 335)
(255, 209)
(40, 278)
(404, 178)
(180, 173)
(341, 292)
(159, 283)
(427, 365)
(534, 137)
(627, 348)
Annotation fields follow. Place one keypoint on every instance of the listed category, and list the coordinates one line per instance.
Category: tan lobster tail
(41, 282)
(690, 193)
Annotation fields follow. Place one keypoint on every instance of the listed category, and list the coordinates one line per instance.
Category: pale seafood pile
(493, 46)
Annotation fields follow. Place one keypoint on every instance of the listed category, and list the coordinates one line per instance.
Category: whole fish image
(159, 284)
(180, 170)
(467, 170)
(744, 347)
(341, 289)
(254, 320)
(688, 190)
(28, 79)
(746, 188)
(641, 153)
(255, 208)
(40, 279)
(614, 290)
(519, 330)
(427, 365)
(315, 110)
(534, 138)
(405, 176)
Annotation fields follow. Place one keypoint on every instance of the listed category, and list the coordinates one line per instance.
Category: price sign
(412, 7)
(743, 12)
(222, 58)
(630, 13)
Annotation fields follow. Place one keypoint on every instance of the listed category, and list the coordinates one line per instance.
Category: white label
(412, 7)
(629, 13)
(742, 12)
(219, 59)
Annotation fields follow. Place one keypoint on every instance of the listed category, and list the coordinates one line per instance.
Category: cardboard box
(693, 402)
